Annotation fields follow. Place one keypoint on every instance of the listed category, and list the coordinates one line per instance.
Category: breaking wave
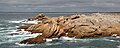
(15, 21)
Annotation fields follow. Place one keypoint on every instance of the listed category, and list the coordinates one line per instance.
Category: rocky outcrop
(41, 17)
(78, 26)
(36, 40)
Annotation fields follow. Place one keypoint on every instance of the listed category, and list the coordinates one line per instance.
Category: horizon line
(59, 12)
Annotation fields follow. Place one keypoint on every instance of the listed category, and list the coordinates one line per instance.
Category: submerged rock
(24, 27)
(96, 25)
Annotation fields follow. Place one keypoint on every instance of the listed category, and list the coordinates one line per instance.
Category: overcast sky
(59, 5)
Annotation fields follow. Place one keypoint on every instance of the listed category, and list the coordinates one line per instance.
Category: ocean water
(10, 38)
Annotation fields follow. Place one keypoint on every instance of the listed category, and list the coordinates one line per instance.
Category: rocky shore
(77, 26)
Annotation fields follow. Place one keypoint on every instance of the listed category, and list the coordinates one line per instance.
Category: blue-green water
(8, 25)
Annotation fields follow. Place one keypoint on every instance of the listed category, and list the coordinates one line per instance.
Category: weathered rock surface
(95, 25)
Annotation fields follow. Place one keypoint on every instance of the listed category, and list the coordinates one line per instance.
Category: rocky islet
(78, 26)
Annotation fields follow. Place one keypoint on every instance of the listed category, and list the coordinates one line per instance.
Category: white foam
(25, 35)
(15, 21)
(118, 46)
(21, 35)
(2, 28)
(117, 36)
(16, 26)
(20, 44)
(66, 38)
(114, 35)
(55, 38)
(31, 22)
(84, 40)
(12, 31)
(26, 22)
(49, 40)
(24, 44)
(52, 43)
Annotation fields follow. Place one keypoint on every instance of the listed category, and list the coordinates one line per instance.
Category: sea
(10, 37)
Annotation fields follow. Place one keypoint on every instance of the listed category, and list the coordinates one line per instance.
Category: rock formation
(78, 26)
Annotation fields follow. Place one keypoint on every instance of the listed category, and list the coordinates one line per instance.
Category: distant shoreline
(59, 12)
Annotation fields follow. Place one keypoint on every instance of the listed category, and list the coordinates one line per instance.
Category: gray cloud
(59, 5)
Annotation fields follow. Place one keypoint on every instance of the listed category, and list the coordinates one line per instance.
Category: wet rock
(33, 41)
(23, 27)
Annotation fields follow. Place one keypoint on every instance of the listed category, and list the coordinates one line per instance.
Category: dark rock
(33, 41)
(23, 27)
(14, 34)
